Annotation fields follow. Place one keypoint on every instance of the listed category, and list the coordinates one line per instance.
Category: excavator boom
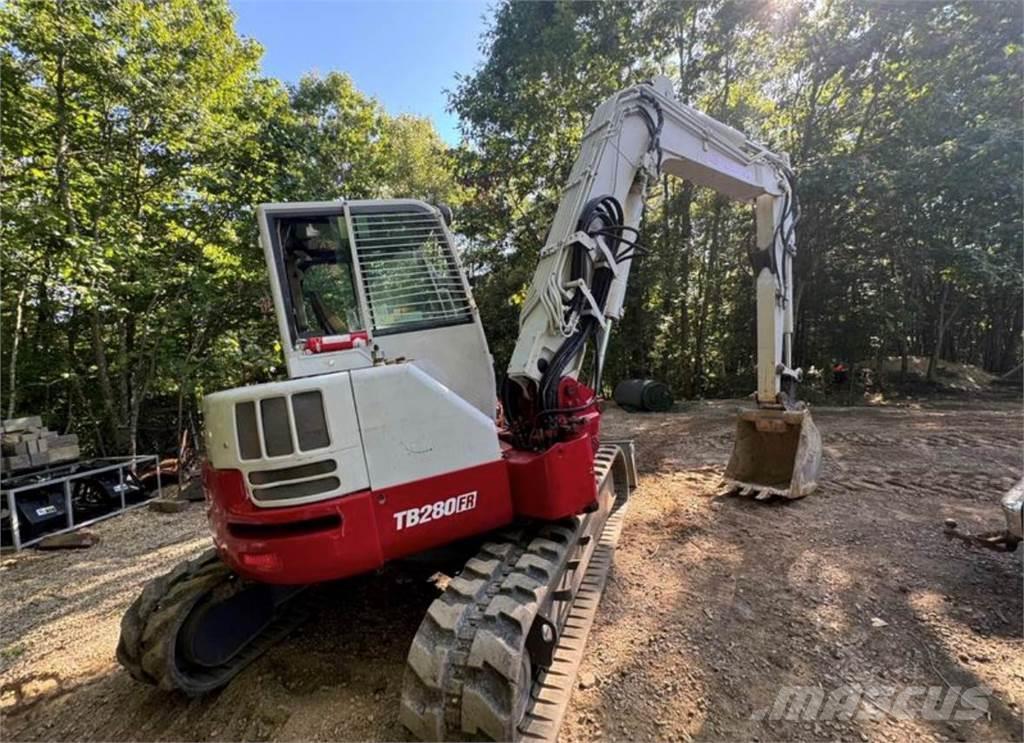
(580, 283)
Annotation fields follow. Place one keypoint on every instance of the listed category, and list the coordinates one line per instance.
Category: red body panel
(359, 532)
(554, 483)
(354, 533)
(323, 344)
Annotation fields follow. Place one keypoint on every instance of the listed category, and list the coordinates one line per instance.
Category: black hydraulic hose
(607, 212)
(609, 216)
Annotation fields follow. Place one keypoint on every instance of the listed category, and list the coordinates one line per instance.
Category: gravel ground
(714, 604)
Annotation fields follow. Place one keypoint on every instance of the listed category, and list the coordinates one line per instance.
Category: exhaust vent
(248, 433)
(310, 423)
(277, 432)
(269, 477)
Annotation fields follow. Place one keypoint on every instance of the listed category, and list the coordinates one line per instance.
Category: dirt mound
(948, 374)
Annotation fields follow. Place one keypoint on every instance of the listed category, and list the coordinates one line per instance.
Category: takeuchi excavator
(386, 441)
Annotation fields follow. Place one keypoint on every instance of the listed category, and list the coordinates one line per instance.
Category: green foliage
(420, 164)
(903, 123)
(138, 137)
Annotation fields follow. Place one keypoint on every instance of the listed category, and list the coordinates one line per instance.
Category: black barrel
(643, 394)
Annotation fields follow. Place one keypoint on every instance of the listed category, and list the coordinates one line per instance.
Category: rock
(744, 610)
(275, 716)
(80, 539)
(168, 505)
(193, 491)
(587, 680)
(878, 622)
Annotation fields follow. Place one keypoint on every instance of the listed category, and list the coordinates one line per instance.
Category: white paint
(414, 427)
(435, 511)
(345, 445)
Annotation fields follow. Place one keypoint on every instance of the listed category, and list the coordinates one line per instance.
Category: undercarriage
(193, 629)
(497, 653)
(495, 656)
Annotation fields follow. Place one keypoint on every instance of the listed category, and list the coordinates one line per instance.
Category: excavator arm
(580, 283)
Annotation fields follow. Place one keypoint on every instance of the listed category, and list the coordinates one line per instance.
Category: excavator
(388, 442)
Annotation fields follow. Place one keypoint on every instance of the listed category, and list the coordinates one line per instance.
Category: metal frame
(120, 464)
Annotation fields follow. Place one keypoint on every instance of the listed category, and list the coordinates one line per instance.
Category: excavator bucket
(777, 452)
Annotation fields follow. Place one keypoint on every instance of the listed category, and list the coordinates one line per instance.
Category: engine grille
(307, 410)
(300, 481)
(299, 472)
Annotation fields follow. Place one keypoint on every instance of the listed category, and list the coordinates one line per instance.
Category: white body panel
(388, 425)
(345, 447)
(414, 427)
(455, 355)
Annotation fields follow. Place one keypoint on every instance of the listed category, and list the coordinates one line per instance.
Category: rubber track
(468, 674)
(437, 657)
(553, 688)
(149, 629)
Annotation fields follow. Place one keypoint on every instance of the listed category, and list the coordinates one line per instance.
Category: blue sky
(404, 53)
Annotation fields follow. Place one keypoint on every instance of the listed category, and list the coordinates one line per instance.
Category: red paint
(326, 343)
(351, 534)
(572, 393)
(585, 416)
(492, 509)
(555, 483)
(261, 562)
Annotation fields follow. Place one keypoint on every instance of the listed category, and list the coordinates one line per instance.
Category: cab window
(318, 272)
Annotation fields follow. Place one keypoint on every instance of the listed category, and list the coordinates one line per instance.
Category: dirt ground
(714, 604)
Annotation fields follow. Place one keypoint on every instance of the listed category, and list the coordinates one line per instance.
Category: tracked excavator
(385, 442)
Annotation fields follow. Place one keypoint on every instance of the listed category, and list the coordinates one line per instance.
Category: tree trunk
(944, 321)
(61, 133)
(668, 254)
(106, 389)
(707, 276)
(904, 358)
(1012, 335)
(682, 279)
(12, 376)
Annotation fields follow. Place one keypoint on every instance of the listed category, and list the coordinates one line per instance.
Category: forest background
(138, 136)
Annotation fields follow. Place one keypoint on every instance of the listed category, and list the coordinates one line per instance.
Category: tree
(902, 122)
(419, 164)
